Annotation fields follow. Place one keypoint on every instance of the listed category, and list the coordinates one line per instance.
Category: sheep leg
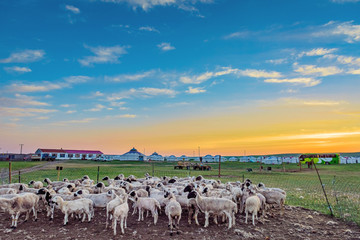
(12, 220)
(253, 217)
(190, 215)
(195, 217)
(122, 224)
(178, 221)
(27, 216)
(114, 225)
(246, 216)
(16, 219)
(229, 219)
(155, 218)
(125, 220)
(206, 219)
(84, 216)
(35, 213)
(139, 214)
(216, 220)
(66, 218)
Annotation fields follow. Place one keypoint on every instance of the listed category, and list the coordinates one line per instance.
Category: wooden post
(58, 175)
(9, 172)
(219, 166)
(19, 177)
(98, 172)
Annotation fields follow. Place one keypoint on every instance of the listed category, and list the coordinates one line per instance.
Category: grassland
(341, 182)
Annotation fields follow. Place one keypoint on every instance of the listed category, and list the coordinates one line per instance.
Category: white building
(133, 155)
(61, 154)
(155, 157)
(233, 159)
(171, 158)
(208, 158)
(182, 158)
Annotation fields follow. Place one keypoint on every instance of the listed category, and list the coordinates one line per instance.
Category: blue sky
(112, 74)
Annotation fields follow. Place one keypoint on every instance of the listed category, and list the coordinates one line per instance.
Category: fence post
(337, 200)
(98, 172)
(19, 177)
(243, 178)
(153, 170)
(9, 172)
(219, 166)
(322, 185)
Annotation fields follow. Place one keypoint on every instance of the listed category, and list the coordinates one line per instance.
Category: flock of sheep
(78, 198)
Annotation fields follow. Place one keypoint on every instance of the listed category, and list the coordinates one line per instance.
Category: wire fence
(303, 188)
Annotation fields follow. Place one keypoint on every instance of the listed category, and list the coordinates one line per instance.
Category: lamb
(110, 207)
(19, 204)
(252, 205)
(80, 206)
(173, 211)
(37, 184)
(146, 203)
(216, 206)
(121, 214)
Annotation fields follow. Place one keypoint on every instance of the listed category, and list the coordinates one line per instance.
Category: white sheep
(147, 203)
(99, 200)
(37, 184)
(79, 206)
(252, 205)
(7, 191)
(173, 211)
(121, 214)
(110, 207)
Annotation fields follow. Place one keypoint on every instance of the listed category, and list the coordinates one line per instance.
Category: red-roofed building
(69, 154)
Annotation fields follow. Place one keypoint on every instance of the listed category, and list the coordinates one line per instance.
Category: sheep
(79, 206)
(215, 206)
(37, 184)
(12, 185)
(7, 191)
(193, 210)
(173, 211)
(110, 207)
(261, 186)
(121, 214)
(55, 183)
(252, 205)
(19, 204)
(100, 188)
(146, 203)
(99, 200)
(274, 197)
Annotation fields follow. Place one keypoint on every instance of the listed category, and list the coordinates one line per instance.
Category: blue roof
(133, 151)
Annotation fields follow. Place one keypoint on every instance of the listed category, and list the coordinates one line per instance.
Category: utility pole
(21, 145)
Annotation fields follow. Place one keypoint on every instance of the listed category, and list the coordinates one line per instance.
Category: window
(77, 155)
(90, 155)
(62, 155)
(70, 155)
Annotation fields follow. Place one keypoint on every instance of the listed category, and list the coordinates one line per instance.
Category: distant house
(208, 158)
(171, 158)
(133, 155)
(68, 154)
(233, 159)
(155, 157)
(182, 158)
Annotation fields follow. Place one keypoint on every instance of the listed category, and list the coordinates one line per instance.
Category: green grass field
(341, 182)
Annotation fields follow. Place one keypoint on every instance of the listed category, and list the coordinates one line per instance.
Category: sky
(228, 77)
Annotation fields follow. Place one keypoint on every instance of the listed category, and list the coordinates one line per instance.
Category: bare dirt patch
(297, 223)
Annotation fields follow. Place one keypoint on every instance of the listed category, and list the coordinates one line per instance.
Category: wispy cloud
(307, 82)
(316, 136)
(129, 77)
(317, 71)
(144, 92)
(148, 29)
(240, 34)
(192, 90)
(259, 73)
(317, 52)
(350, 31)
(124, 116)
(277, 61)
(77, 79)
(25, 56)
(104, 55)
(97, 108)
(21, 100)
(75, 121)
(72, 9)
(165, 46)
(17, 69)
(309, 102)
(40, 87)
(24, 112)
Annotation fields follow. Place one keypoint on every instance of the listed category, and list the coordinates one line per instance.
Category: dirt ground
(297, 223)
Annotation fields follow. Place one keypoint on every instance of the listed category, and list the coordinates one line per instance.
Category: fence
(303, 188)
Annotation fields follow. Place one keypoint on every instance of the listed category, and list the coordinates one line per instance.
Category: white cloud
(148, 29)
(318, 52)
(17, 69)
(277, 61)
(72, 9)
(24, 112)
(71, 111)
(77, 79)
(350, 31)
(77, 121)
(242, 34)
(354, 71)
(25, 56)
(148, 4)
(98, 94)
(97, 108)
(165, 46)
(104, 55)
(124, 116)
(44, 87)
(129, 77)
(144, 92)
(259, 73)
(195, 90)
(296, 101)
(21, 100)
(65, 105)
(317, 71)
(307, 82)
